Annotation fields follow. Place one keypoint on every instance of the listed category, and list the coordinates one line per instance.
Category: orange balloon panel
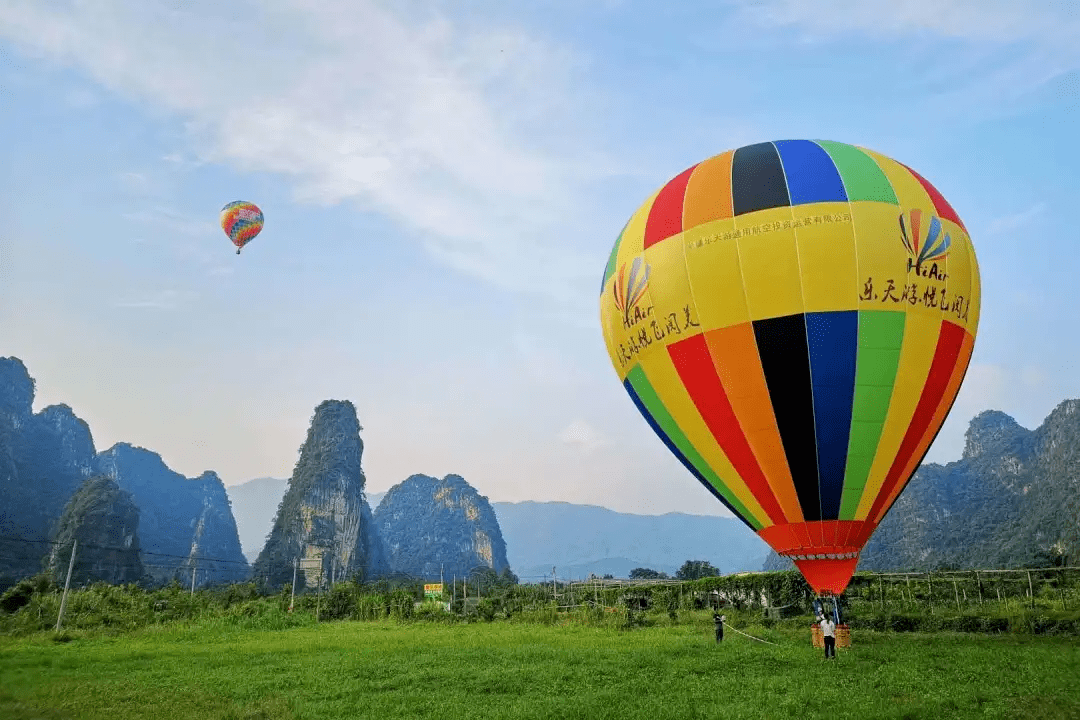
(794, 319)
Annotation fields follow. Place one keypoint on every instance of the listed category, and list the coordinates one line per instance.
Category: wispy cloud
(1048, 23)
(975, 53)
(164, 300)
(433, 124)
(1028, 393)
(187, 239)
(1008, 223)
(582, 435)
(182, 161)
(81, 98)
(168, 220)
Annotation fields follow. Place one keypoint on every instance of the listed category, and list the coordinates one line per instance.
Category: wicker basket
(843, 636)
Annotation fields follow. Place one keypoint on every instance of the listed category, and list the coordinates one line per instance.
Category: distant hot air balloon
(794, 320)
(241, 221)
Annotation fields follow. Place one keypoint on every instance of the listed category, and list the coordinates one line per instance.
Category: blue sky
(442, 189)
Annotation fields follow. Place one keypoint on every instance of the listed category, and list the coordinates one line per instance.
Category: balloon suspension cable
(749, 636)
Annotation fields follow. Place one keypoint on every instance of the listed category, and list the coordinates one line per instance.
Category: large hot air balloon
(794, 319)
(241, 221)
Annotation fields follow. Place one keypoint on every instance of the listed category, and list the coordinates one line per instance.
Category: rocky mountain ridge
(324, 522)
(1012, 500)
(45, 458)
(439, 528)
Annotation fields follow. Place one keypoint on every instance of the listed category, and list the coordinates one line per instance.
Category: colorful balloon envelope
(794, 319)
(241, 221)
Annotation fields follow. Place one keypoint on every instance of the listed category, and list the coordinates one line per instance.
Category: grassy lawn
(387, 670)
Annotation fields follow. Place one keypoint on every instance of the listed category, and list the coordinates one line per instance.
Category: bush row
(33, 604)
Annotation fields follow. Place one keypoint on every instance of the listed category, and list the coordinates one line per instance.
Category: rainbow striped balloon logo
(923, 247)
(628, 289)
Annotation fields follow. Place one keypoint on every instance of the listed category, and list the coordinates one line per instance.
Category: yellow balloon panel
(828, 262)
(715, 273)
(769, 258)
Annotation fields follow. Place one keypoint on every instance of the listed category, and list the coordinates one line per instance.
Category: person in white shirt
(828, 631)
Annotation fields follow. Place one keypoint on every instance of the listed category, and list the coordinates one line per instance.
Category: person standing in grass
(718, 620)
(828, 633)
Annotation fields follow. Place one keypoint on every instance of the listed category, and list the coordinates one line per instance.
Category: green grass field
(514, 670)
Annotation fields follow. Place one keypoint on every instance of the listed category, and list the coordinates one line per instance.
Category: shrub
(20, 594)
(486, 609)
(401, 604)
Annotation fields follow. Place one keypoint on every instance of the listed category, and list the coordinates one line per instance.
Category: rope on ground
(750, 636)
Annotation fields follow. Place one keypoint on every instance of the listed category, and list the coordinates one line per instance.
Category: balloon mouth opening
(847, 555)
(828, 573)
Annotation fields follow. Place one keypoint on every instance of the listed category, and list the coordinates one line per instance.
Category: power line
(123, 549)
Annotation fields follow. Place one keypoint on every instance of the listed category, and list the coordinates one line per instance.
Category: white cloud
(428, 122)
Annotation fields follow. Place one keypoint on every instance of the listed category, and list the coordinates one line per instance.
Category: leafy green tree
(647, 574)
(696, 569)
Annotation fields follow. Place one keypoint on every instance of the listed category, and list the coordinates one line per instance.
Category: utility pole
(554, 589)
(67, 584)
(193, 579)
(292, 600)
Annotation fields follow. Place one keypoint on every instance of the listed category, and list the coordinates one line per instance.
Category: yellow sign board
(433, 591)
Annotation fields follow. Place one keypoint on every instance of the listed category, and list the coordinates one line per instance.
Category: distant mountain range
(576, 539)
(1013, 500)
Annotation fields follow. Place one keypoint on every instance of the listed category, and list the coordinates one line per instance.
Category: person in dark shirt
(718, 620)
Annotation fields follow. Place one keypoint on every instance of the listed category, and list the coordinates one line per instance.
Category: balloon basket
(843, 636)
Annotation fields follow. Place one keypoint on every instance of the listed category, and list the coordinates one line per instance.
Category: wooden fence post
(67, 584)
